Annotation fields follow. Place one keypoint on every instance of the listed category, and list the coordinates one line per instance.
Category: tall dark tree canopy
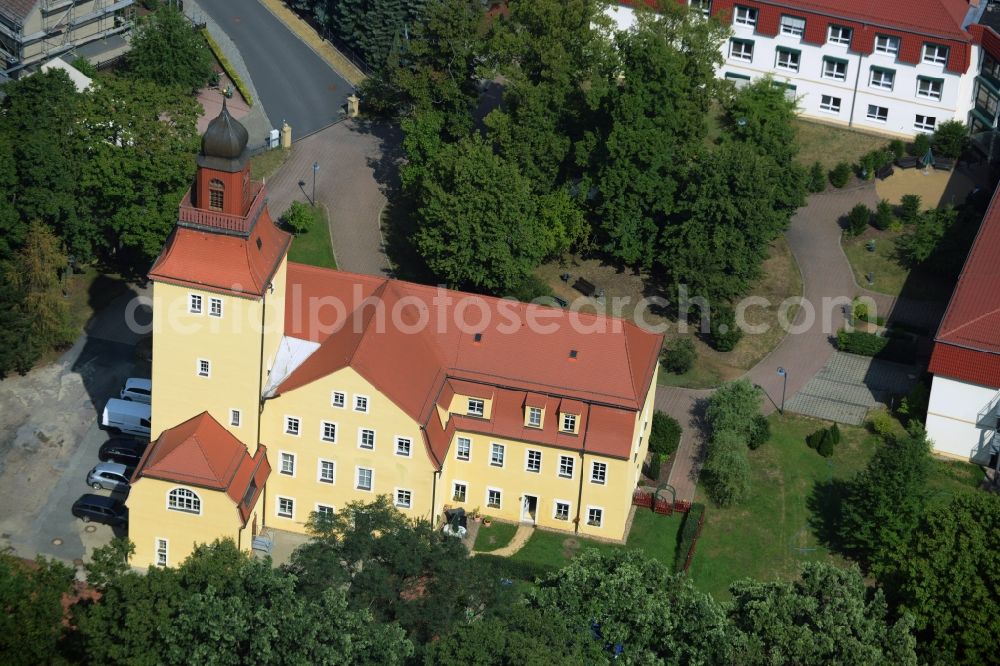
(166, 49)
(32, 612)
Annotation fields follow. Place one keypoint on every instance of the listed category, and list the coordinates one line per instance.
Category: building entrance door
(529, 509)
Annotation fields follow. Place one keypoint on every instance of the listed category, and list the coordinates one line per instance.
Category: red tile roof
(200, 452)
(222, 262)
(409, 341)
(967, 345)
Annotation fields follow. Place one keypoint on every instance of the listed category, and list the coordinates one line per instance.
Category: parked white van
(127, 416)
(138, 389)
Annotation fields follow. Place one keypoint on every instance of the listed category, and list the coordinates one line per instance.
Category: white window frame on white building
(702, 6)
(934, 54)
(371, 479)
(882, 78)
(879, 114)
(497, 453)
(929, 87)
(887, 44)
(281, 513)
(162, 552)
(567, 465)
(328, 431)
(745, 51)
(455, 497)
(597, 511)
(404, 446)
(838, 71)
(555, 509)
(745, 16)
(839, 34)
(322, 466)
(403, 498)
(924, 123)
(338, 399)
(499, 502)
(739, 81)
(830, 103)
(293, 425)
(533, 460)
(463, 444)
(787, 59)
(793, 26)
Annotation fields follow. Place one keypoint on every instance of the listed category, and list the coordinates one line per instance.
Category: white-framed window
(569, 422)
(338, 399)
(184, 500)
(287, 466)
(598, 472)
(496, 454)
(829, 103)
(835, 69)
(215, 307)
(882, 78)
(793, 25)
(935, 54)
(324, 511)
(702, 6)
(493, 498)
(925, 123)
(404, 498)
(561, 510)
(459, 491)
(878, 113)
(328, 431)
(235, 417)
(476, 407)
(361, 403)
(535, 417)
(286, 507)
(595, 516)
(463, 448)
(162, 551)
(745, 16)
(740, 81)
(204, 367)
(886, 44)
(194, 303)
(566, 467)
(366, 438)
(533, 462)
(403, 446)
(839, 34)
(787, 59)
(365, 479)
(292, 425)
(929, 88)
(326, 471)
(741, 49)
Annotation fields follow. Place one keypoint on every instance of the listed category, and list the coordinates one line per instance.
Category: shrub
(861, 311)
(298, 217)
(665, 434)
(496, 567)
(679, 357)
(909, 208)
(882, 424)
(897, 148)
(840, 174)
(883, 215)
(825, 447)
(83, 66)
(655, 461)
(725, 334)
(817, 178)
(951, 139)
(872, 161)
(921, 144)
(813, 440)
(858, 218)
(860, 342)
(914, 405)
(689, 535)
(760, 431)
(835, 433)
(727, 471)
(733, 406)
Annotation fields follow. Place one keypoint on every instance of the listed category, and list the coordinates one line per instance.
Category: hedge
(690, 531)
(890, 347)
(664, 434)
(655, 461)
(506, 567)
(230, 72)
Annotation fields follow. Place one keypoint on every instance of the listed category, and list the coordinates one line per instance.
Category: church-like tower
(219, 293)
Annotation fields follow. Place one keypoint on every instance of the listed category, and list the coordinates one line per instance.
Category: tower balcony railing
(213, 220)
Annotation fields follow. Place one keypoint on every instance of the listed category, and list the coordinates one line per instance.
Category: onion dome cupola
(224, 144)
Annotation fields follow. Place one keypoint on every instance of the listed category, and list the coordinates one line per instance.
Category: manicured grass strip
(494, 537)
(313, 247)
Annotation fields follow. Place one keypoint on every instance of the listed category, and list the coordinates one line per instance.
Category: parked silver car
(109, 476)
(138, 389)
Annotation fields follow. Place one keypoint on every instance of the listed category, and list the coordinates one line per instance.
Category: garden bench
(944, 163)
(585, 287)
(906, 162)
(884, 172)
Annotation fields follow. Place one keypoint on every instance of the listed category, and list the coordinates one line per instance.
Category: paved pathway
(356, 166)
(517, 542)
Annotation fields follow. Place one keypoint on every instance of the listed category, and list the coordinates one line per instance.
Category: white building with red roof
(898, 66)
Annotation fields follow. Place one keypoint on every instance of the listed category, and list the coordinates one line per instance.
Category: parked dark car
(101, 509)
(123, 450)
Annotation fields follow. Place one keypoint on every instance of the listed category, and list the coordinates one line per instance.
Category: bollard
(286, 135)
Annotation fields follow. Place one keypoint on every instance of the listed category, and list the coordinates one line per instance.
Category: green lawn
(652, 533)
(265, 164)
(889, 275)
(496, 536)
(314, 247)
(830, 145)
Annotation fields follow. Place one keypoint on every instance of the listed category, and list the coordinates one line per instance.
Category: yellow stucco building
(281, 389)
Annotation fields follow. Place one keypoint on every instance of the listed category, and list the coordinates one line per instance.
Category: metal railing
(987, 416)
(189, 215)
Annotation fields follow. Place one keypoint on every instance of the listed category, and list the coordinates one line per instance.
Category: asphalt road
(294, 84)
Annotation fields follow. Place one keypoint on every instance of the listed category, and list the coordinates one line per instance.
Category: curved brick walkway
(517, 541)
(814, 237)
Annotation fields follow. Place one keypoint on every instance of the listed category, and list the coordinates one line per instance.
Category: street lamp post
(315, 171)
(784, 384)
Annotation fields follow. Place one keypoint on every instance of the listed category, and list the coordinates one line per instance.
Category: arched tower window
(182, 499)
(216, 194)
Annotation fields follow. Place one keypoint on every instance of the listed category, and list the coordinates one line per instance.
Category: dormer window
(535, 417)
(476, 407)
(568, 422)
(216, 194)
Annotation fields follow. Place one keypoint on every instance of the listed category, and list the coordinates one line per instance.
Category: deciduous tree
(168, 51)
(32, 612)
